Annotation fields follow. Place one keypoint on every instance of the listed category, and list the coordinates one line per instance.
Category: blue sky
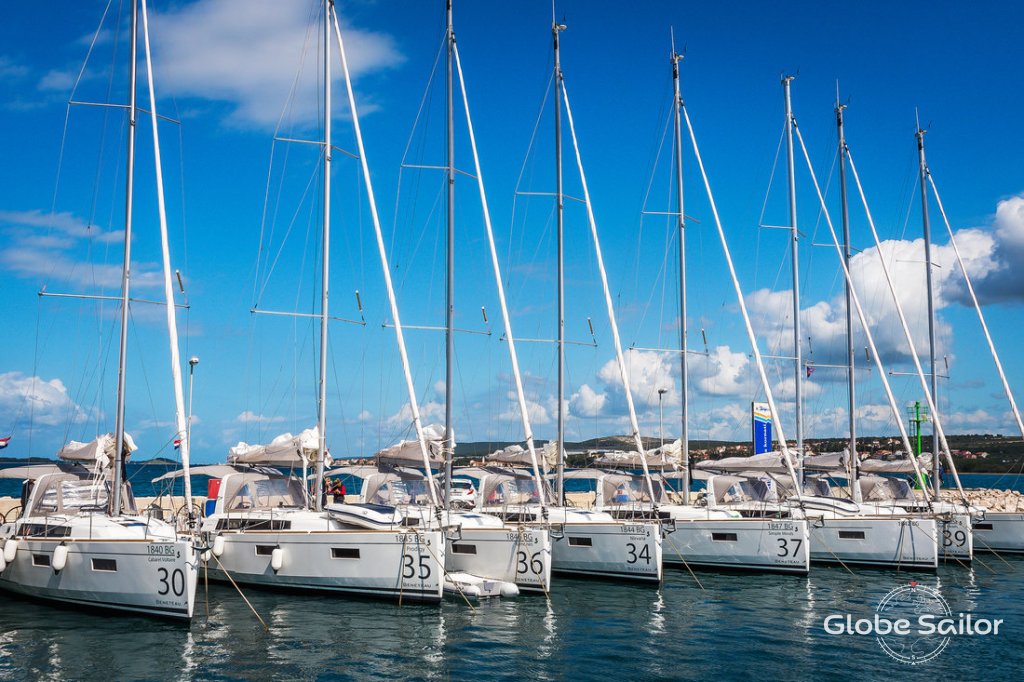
(227, 76)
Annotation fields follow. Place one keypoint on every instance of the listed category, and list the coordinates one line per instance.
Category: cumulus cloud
(993, 256)
(46, 402)
(586, 402)
(430, 412)
(648, 372)
(249, 59)
(536, 411)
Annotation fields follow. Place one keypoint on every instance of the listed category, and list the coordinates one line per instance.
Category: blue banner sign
(761, 420)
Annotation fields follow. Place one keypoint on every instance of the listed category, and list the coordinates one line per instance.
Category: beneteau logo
(913, 624)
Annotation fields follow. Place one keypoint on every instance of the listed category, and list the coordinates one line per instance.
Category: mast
(684, 438)
(556, 28)
(449, 320)
(182, 427)
(923, 173)
(318, 490)
(115, 506)
(794, 254)
(850, 355)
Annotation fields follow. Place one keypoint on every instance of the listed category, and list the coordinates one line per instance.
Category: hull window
(983, 526)
(265, 550)
(344, 552)
(40, 559)
(851, 535)
(463, 549)
(104, 565)
(580, 542)
(723, 537)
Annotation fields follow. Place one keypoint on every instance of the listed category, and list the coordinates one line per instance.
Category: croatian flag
(4, 442)
(177, 443)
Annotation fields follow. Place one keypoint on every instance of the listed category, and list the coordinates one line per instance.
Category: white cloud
(249, 58)
(722, 372)
(430, 411)
(586, 402)
(50, 247)
(47, 403)
(537, 412)
(250, 417)
(364, 416)
(648, 372)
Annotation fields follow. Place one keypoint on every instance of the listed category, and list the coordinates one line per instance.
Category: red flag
(810, 370)
(4, 442)
(177, 443)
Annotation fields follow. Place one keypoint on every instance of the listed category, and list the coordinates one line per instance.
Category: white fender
(205, 556)
(218, 546)
(10, 550)
(277, 559)
(509, 590)
(3, 563)
(60, 558)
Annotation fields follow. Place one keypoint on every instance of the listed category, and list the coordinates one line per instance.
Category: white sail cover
(284, 451)
(513, 454)
(826, 461)
(101, 450)
(662, 459)
(408, 453)
(771, 462)
(896, 466)
(549, 456)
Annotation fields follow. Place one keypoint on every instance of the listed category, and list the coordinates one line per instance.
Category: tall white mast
(853, 292)
(556, 28)
(183, 432)
(382, 253)
(751, 338)
(933, 375)
(122, 357)
(325, 264)
(449, 315)
(620, 360)
(851, 357)
(505, 317)
(794, 255)
(684, 363)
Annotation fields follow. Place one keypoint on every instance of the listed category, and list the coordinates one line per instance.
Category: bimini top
(102, 450)
(284, 451)
(408, 453)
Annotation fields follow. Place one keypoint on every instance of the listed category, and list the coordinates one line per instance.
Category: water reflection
(585, 630)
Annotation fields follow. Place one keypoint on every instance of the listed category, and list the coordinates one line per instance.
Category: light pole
(661, 415)
(192, 362)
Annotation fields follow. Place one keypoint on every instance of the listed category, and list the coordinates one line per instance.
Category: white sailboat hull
(899, 543)
(139, 576)
(401, 564)
(623, 551)
(768, 545)
(519, 555)
(1000, 532)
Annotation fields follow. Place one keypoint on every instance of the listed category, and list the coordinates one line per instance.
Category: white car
(463, 493)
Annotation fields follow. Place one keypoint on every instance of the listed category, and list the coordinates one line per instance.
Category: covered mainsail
(284, 451)
(770, 462)
(665, 457)
(827, 461)
(513, 454)
(101, 450)
(409, 452)
(896, 466)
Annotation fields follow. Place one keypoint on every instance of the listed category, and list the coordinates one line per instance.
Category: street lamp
(192, 362)
(661, 415)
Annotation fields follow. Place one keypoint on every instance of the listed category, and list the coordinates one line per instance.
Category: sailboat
(264, 529)
(697, 536)
(80, 540)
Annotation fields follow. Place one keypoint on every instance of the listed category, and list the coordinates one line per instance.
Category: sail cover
(101, 450)
(826, 461)
(771, 462)
(284, 451)
(631, 460)
(513, 454)
(408, 453)
(896, 466)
